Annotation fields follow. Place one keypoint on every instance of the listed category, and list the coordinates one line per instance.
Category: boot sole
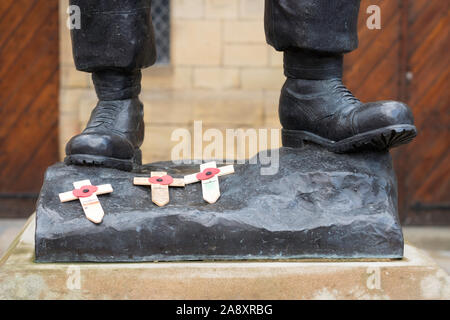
(379, 140)
(108, 162)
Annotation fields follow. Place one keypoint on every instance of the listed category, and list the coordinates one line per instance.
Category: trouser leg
(315, 106)
(313, 34)
(115, 41)
(321, 25)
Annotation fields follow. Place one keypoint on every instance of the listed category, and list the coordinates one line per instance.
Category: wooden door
(29, 86)
(408, 60)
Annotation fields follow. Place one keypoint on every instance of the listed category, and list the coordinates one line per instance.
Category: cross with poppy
(87, 194)
(160, 182)
(208, 175)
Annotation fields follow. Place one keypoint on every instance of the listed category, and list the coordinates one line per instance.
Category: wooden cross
(209, 177)
(87, 194)
(160, 183)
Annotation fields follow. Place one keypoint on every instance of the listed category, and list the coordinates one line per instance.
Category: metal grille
(161, 24)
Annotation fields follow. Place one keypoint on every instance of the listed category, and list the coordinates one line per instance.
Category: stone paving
(9, 228)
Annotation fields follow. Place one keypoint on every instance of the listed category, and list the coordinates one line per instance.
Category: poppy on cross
(160, 182)
(87, 194)
(208, 175)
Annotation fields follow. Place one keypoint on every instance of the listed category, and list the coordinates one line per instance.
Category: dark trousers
(114, 34)
(119, 33)
(320, 25)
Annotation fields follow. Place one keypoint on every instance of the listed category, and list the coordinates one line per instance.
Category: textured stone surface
(318, 205)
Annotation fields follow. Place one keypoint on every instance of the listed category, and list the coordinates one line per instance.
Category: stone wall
(222, 72)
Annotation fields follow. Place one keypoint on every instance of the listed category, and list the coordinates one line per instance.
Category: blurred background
(214, 65)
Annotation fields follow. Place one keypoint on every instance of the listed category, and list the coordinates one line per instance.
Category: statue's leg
(314, 105)
(114, 43)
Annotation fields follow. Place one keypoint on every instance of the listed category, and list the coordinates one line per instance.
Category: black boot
(115, 41)
(115, 130)
(316, 107)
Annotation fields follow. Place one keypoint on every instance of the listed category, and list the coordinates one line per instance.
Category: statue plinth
(318, 205)
(415, 277)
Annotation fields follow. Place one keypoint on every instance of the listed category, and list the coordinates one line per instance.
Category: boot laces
(341, 89)
(105, 115)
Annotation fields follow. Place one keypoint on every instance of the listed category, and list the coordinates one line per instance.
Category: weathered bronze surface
(319, 205)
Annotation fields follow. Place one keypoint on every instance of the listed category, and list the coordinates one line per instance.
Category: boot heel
(291, 139)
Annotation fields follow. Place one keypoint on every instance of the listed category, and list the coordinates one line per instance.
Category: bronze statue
(317, 205)
(116, 41)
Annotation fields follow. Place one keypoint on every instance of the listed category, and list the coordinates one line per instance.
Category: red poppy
(164, 180)
(208, 173)
(85, 191)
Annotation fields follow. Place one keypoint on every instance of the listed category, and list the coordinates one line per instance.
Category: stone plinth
(415, 276)
(317, 205)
